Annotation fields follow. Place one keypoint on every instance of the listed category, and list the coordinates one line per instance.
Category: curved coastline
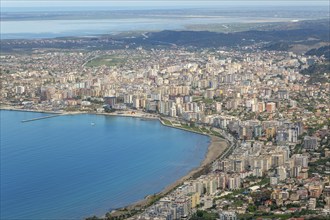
(216, 147)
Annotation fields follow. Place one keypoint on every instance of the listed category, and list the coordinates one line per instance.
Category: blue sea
(65, 168)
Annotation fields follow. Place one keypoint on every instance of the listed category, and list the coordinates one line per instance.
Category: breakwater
(40, 118)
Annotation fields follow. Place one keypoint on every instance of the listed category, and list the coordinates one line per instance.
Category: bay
(63, 167)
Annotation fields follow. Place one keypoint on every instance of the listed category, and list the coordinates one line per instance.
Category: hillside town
(275, 120)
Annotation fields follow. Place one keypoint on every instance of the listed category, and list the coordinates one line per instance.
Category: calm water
(63, 167)
(25, 29)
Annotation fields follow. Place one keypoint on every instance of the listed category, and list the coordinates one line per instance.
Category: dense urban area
(272, 107)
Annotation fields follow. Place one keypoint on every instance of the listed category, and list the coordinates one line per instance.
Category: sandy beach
(216, 147)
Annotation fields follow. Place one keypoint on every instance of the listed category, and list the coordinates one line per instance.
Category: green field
(113, 60)
(108, 60)
(167, 122)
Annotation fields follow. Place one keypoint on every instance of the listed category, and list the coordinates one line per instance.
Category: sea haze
(65, 167)
(49, 24)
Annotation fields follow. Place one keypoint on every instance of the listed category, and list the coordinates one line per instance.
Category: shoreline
(215, 148)
(10, 108)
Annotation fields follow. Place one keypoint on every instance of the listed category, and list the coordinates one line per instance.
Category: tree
(252, 208)
(199, 213)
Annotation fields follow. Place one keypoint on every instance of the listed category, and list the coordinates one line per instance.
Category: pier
(45, 117)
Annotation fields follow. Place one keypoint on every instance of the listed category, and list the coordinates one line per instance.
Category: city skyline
(248, 80)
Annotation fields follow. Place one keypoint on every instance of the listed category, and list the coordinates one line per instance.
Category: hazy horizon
(65, 20)
(51, 5)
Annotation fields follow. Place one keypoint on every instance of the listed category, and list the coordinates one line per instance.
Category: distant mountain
(317, 72)
(213, 39)
(279, 38)
(308, 33)
(279, 46)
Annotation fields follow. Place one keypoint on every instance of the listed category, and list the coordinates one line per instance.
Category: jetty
(54, 114)
(40, 118)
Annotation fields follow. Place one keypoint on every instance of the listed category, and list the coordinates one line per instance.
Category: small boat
(92, 123)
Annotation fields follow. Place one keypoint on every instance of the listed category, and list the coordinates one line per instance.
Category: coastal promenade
(54, 113)
(13, 108)
(132, 114)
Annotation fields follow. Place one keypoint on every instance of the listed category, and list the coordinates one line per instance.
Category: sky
(156, 3)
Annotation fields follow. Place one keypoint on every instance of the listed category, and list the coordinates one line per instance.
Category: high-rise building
(20, 89)
(218, 107)
(173, 112)
(281, 172)
(227, 215)
(310, 143)
(195, 200)
(136, 103)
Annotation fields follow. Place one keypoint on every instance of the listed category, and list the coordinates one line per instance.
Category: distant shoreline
(9, 108)
(215, 148)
